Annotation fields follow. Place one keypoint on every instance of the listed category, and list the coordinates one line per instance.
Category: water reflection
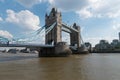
(75, 67)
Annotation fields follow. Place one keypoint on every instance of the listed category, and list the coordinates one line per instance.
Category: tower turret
(75, 36)
(55, 34)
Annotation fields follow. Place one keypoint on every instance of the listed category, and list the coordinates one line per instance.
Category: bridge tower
(54, 36)
(75, 36)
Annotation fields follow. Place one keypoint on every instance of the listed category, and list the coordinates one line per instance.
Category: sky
(98, 19)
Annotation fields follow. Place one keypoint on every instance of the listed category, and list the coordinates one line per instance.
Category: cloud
(65, 37)
(24, 19)
(1, 19)
(106, 8)
(6, 34)
(84, 13)
(29, 3)
(77, 6)
(95, 40)
(68, 5)
(84, 8)
(113, 14)
(2, 0)
(116, 26)
(89, 8)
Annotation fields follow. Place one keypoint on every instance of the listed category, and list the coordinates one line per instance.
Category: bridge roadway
(26, 45)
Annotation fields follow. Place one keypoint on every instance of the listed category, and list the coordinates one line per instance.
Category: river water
(76, 67)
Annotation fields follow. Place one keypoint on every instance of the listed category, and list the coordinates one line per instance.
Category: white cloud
(1, 19)
(89, 8)
(29, 3)
(106, 8)
(24, 19)
(116, 26)
(6, 34)
(113, 14)
(84, 8)
(84, 13)
(2, 0)
(95, 40)
(68, 5)
(66, 37)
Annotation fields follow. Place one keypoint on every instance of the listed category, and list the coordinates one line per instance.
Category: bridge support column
(75, 36)
(59, 50)
(55, 34)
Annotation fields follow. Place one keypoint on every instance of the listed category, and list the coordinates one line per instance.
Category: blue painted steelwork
(69, 27)
(25, 42)
(25, 45)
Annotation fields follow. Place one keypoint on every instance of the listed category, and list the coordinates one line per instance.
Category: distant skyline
(98, 19)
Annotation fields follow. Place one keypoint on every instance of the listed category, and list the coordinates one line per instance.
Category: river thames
(75, 67)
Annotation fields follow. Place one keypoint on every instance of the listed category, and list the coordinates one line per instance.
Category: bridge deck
(25, 45)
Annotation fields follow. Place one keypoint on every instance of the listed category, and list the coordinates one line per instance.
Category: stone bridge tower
(75, 36)
(54, 36)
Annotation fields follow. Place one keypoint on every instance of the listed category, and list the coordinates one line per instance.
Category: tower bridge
(53, 37)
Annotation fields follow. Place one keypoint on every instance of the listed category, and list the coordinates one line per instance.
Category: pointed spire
(46, 14)
(74, 24)
(53, 10)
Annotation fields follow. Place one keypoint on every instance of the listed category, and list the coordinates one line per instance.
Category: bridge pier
(59, 50)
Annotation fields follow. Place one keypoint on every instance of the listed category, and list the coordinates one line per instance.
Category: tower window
(53, 14)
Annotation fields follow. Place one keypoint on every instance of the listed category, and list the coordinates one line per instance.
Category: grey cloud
(28, 3)
(69, 5)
